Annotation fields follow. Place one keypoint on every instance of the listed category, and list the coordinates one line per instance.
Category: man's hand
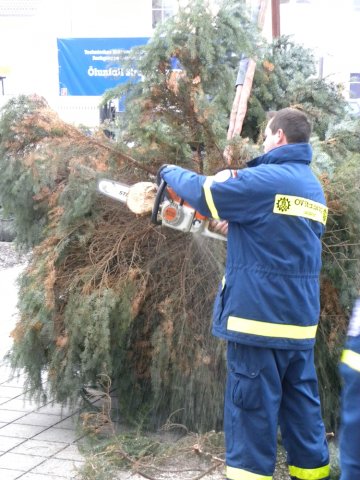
(158, 174)
(161, 169)
(219, 226)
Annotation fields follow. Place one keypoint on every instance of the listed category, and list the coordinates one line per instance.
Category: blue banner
(89, 66)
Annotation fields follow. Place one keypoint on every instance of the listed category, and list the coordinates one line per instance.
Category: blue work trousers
(266, 388)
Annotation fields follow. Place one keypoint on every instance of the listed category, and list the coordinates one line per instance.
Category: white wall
(29, 56)
(331, 29)
(28, 49)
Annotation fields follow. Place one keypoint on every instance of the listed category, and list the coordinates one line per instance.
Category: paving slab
(14, 381)
(56, 409)
(7, 443)
(54, 434)
(8, 416)
(4, 400)
(21, 431)
(40, 419)
(41, 448)
(40, 476)
(70, 453)
(6, 474)
(65, 468)
(10, 392)
(5, 372)
(69, 423)
(19, 461)
(20, 404)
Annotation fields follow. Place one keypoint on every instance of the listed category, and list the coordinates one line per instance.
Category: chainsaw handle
(158, 199)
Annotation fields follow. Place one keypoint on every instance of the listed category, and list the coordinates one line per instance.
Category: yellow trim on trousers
(310, 473)
(240, 474)
(267, 329)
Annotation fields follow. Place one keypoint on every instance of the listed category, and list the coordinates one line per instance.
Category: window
(356, 5)
(354, 85)
(18, 8)
(161, 10)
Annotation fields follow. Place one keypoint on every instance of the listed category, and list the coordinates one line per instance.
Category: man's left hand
(219, 226)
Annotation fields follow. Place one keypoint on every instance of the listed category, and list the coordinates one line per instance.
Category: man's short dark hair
(294, 123)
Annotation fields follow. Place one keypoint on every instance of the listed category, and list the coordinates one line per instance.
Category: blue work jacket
(276, 212)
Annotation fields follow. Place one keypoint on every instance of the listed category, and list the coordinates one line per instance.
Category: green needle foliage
(106, 292)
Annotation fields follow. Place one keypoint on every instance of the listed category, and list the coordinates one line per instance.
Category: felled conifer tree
(108, 293)
(181, 108)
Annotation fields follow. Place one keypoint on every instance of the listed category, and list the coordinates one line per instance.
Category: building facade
(331, 29)
(29, 30)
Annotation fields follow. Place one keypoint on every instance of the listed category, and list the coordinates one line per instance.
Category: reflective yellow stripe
(265, 329)
(352, 359)
(209, 199)
(310, 473)
(300, 207)
(239, 474)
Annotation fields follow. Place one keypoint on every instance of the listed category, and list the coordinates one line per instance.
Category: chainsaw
(165, 206)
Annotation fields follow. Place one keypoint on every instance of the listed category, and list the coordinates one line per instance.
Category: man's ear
(282, 140)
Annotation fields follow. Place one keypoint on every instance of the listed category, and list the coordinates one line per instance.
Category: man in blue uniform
(350, 409)
(267, 307)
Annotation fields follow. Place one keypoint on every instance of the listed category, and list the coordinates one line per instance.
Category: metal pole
(275, 14)
(243, 88)
(321, 68)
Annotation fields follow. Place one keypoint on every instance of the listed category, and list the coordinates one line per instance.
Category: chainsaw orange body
(172, 211)
(168, 209)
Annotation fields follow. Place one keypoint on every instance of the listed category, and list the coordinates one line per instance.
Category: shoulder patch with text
(300, 207)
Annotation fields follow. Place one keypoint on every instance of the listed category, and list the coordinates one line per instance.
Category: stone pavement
(37, 441)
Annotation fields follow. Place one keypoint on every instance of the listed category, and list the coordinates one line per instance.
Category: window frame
(166, 8)
(354, 85)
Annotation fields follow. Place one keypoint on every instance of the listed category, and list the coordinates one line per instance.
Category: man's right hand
(161, 169)
(158, 174)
